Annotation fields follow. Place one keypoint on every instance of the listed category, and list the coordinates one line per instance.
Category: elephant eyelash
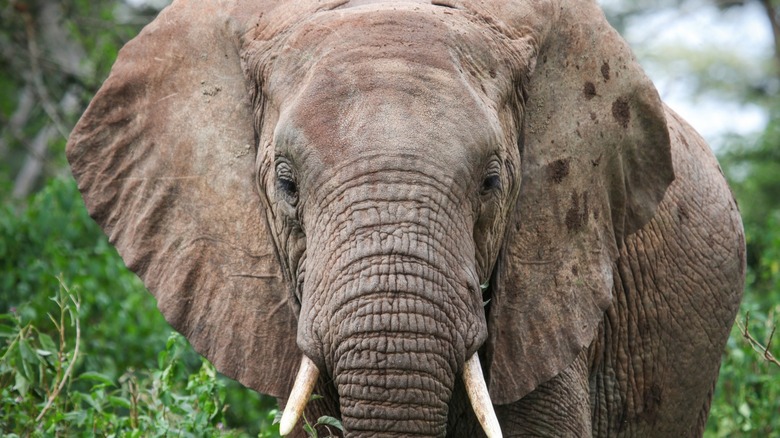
(492, 179)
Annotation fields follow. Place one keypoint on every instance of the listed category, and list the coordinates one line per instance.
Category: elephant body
(652, 366)
(391, 193)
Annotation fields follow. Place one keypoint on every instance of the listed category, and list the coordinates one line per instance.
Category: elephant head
(384, 188)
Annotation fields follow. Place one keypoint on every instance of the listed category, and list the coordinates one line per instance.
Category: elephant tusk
(480, 398)
(299, 396)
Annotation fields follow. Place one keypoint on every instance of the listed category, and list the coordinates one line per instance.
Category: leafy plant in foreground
(42, 395)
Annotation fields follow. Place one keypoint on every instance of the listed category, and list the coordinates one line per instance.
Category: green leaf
(21, 384)
(8, 331)
(95, 376)
(120, 402)
(330, 421)
(28, 355)
(278, 416)
(93, 401)
(76, 417)
(46, 342)
(310, 431)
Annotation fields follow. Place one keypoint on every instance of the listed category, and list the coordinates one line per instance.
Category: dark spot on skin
(682, 212)
(643, 328)
(652, 398)
(589, 90)
(521, 144)
(544, 59)
(577, 215)
(597, 161)
(605, 71)
(558, 170)
(443, 3)
(621, 112)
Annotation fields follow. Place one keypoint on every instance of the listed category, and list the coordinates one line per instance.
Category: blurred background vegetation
(83, 349)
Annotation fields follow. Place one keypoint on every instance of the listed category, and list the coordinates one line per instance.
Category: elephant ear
(596, 162)
(164, 157)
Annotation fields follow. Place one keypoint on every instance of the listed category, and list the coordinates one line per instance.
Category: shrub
(52, 241)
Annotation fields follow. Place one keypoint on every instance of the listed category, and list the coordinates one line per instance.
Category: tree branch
(764, 350)
(37, 76)
(75, 320)
(33, 164)
(774, 20)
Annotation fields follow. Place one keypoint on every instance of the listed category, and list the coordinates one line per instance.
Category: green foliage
(34, 370)
(54, 241)
(325, 424)
(55, 236)
(328, 423)
(747, 398)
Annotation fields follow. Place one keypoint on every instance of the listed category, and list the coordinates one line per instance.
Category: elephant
(445, 217)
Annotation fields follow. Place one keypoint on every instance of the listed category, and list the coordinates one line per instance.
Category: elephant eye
(492, 182)
(285, 182)
(287, 186)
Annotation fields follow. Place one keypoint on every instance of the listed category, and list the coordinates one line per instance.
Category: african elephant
(387, 194)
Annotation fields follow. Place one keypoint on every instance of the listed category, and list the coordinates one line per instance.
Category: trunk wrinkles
(386, 305)
(396, 348)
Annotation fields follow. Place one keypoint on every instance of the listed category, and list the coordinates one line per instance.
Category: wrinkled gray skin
(338, 178)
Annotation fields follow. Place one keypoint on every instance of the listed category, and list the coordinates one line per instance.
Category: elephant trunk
(392, 402)
(394, 309)
(394, 370)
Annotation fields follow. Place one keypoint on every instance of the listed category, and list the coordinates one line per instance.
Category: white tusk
(299, 396)
(480, 398)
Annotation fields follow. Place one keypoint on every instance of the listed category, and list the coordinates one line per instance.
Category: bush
(49, 398)
(53, 242)
(747, 397)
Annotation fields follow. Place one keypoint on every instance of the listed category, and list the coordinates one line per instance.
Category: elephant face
(386, 152)
(337, 181)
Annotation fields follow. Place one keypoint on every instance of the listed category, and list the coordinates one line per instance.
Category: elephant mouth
(472, 378)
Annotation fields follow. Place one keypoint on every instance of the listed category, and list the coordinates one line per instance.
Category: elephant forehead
(377, 78)
(337, 120)
(366, 45)
(384, 30)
